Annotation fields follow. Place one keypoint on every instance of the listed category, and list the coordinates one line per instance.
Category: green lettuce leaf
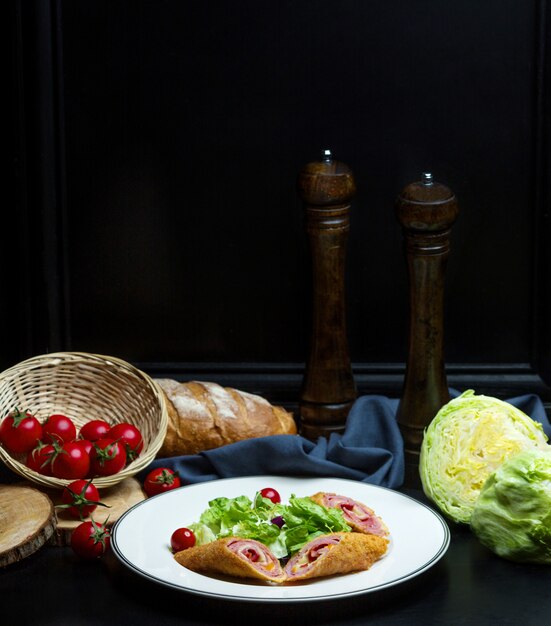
(306, 511)
(512, 516)
(224, 513)
(203, 534)
(303, 520)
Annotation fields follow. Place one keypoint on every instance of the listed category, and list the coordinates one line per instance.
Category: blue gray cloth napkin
(370, 450)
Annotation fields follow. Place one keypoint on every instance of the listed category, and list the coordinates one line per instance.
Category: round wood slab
(27, 522)
(119, 498)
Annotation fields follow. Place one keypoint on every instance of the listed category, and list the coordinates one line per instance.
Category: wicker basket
(85, 387)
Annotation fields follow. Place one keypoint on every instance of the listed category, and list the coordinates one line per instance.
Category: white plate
(141, 539)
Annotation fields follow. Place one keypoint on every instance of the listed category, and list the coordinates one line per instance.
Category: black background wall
(155, 148)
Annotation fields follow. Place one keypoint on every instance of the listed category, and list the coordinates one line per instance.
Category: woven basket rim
(147, 455)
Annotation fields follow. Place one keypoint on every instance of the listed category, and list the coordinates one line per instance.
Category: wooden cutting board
(119, 498)
(27, 522)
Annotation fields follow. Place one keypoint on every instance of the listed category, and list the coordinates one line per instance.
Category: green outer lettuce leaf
(305, 520)
(512, 516)
(203, 534)
(469, 438)
(224, 513)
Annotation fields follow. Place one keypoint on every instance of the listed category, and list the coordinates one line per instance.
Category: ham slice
(358, 516)
(336, 553)
(232, 556)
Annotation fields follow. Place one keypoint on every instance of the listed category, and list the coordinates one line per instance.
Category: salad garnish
(283, 528)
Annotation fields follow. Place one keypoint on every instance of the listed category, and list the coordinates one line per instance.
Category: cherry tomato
(20, 432)
(271, 494)
(40, 459)
(90, 540)
(70, 461)
(160, 480)
(80, 498)
(59, 428)
(94, 430)
(108, 457)
(182, 539)
(130, 437)
(85, 445)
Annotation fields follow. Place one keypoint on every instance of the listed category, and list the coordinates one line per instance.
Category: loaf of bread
(203, 416)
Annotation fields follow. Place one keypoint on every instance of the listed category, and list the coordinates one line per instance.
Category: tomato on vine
(94, 430)
(20, 431)
(130, 437)
(40, 459)
(59, 428)
(107, 457)
(70, 461)
(85, 445)
(90, 539)
(80, 498)
(160, 480)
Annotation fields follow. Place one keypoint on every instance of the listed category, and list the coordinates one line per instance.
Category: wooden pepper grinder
(426, 210)
(328, 391)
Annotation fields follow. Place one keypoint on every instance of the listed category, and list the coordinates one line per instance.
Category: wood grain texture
(426, 210)
(27, 522)
(326, 188)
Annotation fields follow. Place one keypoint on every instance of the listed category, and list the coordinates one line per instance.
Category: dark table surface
(469, 585)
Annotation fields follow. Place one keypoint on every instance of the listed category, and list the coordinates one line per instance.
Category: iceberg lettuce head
(512, 516)
(468, 439)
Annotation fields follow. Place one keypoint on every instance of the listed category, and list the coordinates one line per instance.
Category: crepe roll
(336, 553)
(358, 516)
(231, 556)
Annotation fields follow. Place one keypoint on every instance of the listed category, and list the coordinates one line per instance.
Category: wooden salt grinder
(326, 188)
(426, 210)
